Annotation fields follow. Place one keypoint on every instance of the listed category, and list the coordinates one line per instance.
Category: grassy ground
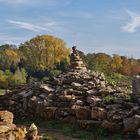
(118, 79)
(72, 130)
(2, 91)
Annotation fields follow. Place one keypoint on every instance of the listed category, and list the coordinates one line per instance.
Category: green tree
(20, 76)
(102, 62)
(91, 61)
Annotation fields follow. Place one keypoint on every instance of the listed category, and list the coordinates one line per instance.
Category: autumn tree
(44, 52)
(116, 63)
(102, 62)
(125, 69)
(135, 66)
(3, 80)
(9, 59)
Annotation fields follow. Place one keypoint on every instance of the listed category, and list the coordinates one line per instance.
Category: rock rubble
(9, 131)
(77, 95)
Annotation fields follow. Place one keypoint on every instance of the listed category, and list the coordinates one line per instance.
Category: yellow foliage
(9, 58)
(10, 53)
(43, 52)
(3, 81)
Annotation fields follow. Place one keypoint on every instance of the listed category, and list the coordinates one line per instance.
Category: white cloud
(133, 24)
(30, 26)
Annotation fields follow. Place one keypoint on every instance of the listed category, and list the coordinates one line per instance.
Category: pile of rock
(77, 95)
(9, 131)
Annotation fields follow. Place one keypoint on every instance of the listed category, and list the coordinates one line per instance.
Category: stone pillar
(136, 86)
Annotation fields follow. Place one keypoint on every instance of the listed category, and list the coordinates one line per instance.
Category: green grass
(2, 91)
(118, 79)
(46, 137)
(112, 99)
(72, 130)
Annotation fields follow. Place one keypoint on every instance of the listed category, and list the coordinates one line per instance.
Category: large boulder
(46, 88)
(32, 104)
(98, 113)
(111, 126)
(49, 113)
(9, 131)
(4, 128)
(94, 100)
(20, 133)
(131, 124)
(89, 123)
(76, 86)
(62, 113)
(82, 112)
(6, 116)
(136, 84)
(32, 133)
(117, 115)
(40, 109)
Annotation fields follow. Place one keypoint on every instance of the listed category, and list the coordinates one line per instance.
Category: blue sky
(110, 26)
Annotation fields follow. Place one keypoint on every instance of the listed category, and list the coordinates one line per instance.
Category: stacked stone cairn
(77, 95)
(76, 61)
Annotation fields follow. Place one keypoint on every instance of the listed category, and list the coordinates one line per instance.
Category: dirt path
(55, 134)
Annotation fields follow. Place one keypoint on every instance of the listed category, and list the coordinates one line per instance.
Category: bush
(109, 99)
(54, 73)
(8, 78)
(118, 79)
(3, 80)
(20, 76)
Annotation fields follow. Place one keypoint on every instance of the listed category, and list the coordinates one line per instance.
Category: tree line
(46, 56)
(111, 63)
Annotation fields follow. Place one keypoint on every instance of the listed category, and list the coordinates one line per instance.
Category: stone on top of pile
(76, 61)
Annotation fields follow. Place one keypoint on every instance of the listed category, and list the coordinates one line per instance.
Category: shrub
(20, 76)
(118, 79)
(54, 73)
(109, 99)
(3, 80)
(8, 78)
